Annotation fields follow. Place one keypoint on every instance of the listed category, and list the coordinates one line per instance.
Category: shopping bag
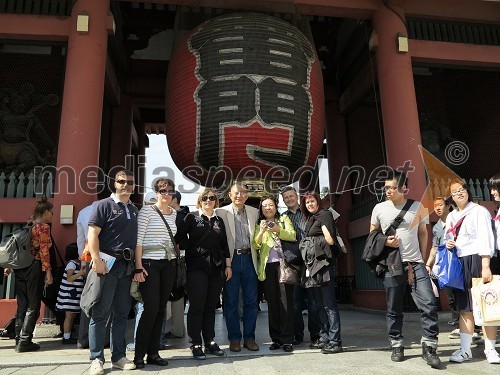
(450, 271)
(485, 301)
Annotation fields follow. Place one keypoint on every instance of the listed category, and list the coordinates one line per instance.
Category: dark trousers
(155, 292)
(424, 299)
(313, 323)
(29, 289)
(329, 316)
(280, 306)
(203, 293)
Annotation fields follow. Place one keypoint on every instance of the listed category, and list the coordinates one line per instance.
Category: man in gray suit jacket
(239, 220)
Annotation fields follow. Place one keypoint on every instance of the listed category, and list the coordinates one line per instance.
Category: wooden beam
(34, 27)
(454, 53)
(359, 9)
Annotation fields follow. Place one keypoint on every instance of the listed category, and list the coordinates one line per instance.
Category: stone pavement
(363, 335)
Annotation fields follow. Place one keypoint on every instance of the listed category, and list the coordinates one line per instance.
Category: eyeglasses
(393, 188)
(208, 198)
(128, 182)
(166, 192)
(458, 192)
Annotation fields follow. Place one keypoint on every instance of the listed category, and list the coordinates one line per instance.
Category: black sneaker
(332, 348)
(70, 341)
(198, 352)
(318, 344)
(398, 354)
(430, 356)
(27, 346)
(214, 349)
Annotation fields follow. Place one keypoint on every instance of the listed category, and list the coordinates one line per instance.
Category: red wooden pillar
(398, 101)
(81, 115)
(338, 158)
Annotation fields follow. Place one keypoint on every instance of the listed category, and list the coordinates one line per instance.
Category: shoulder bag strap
(177, 252)
(56, 249)
(399, 219)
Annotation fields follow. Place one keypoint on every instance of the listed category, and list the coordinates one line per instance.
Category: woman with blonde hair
(208, 265)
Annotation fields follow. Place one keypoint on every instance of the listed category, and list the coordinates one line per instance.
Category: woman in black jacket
(320, 225)
(208, 264)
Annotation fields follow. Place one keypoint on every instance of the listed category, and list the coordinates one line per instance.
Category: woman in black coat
(208, 265)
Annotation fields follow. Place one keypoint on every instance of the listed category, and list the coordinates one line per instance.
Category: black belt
(243, 250)
(126, 253)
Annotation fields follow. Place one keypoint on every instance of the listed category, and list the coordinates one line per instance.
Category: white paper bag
(486, 301)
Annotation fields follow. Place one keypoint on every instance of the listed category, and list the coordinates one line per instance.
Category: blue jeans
(115, 296)
(329, 317)
(424, 298)
(244, 277)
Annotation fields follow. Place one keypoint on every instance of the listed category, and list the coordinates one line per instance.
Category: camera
(270, 224)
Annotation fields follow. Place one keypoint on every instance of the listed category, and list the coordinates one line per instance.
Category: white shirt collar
(117, 200)
(200, 212)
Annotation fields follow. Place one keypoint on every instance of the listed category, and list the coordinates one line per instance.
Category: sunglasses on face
(167, 192)
(208, 198)
(122, 182)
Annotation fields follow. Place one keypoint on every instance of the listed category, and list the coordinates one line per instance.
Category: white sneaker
(96, 367)
(124, 364)
(131, 347)
(492, 356)
(460, 356)
(455, 334)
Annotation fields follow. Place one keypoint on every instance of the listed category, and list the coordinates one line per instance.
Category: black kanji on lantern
(252, 68)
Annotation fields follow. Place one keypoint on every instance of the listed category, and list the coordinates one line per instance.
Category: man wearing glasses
(241, 220)
(112, 232)
(409, 238)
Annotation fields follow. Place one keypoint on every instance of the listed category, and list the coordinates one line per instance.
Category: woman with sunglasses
(271, 229)
(155, 261)
(208, 265)
(468, 228)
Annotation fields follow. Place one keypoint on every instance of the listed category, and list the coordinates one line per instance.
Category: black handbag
(291, 252)
(181, 276)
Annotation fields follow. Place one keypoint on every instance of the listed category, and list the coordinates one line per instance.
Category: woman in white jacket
(473, 239)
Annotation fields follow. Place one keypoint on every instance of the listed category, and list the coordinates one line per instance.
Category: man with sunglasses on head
(112, 231)
(239, 220)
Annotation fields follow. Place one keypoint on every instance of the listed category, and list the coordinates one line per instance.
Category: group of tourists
(230, 249)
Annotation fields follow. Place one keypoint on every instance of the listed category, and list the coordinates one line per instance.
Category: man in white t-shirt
(410, 237)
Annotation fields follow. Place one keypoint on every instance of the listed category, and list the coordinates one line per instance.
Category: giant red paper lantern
(244, 90)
